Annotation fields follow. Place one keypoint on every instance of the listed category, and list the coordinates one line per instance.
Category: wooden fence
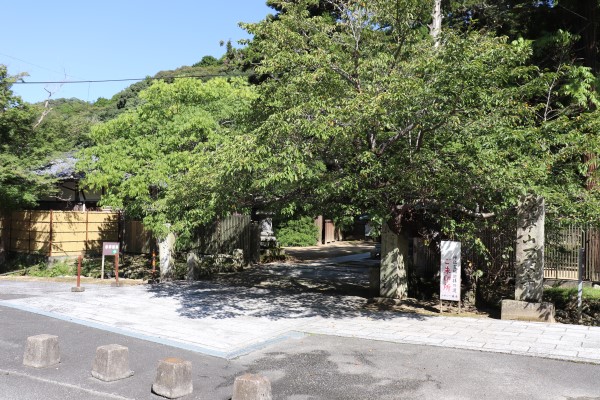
(327, 232)
(136, 239)
(560, 261)
(230, 233)
(562, 253)
(70, 233)
(59, 233)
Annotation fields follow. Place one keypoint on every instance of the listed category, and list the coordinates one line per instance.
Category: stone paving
(228, 321)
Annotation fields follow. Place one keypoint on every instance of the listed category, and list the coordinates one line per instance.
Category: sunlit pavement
(227, 320)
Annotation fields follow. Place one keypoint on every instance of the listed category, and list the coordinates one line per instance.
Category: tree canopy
(359, 112)
(23, 149)
(356, 110)
(144, 157)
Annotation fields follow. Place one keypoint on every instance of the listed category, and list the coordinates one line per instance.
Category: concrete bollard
(111, 363)
(41, 351)
(173, 378)
(251, 387)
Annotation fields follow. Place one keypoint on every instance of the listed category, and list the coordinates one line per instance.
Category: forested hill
(66, 123)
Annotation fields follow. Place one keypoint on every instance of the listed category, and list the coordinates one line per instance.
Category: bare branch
(46, 110)
(430, 203)
(395, 138)
(348, 77)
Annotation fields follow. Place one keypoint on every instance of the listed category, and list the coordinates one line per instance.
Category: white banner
(450, 271)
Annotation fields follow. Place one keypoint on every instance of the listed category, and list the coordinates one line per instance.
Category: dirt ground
(426, 307)
(331, 250)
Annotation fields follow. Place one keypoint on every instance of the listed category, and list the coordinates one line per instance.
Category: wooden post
(10, 231)
(50, 241)
(580, 284)
(29, 234)
(79, 271)
(117, 268)
(121, 234)
(78, 288)
(87, 239)
(153, 262)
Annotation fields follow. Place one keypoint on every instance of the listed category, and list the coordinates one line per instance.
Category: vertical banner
(450, 271)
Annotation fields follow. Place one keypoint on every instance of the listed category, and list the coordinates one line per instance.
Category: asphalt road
(312, 367)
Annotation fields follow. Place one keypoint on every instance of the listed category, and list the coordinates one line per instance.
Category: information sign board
(450, 271)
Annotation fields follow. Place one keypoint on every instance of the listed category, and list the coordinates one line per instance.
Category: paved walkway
(228, 321)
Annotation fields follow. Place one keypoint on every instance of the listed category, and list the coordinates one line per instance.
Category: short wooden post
(50, 242)
(78, 288)
(117, 267)
(79, 271)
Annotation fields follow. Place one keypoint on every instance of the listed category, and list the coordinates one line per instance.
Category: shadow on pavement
(277, 292)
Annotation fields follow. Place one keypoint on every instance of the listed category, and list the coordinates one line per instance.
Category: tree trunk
(394, 264)
(435, 29)
(2, 252)
(166, 250)
(589, 36)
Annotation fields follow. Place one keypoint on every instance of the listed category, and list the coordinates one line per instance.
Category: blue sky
(108, 39)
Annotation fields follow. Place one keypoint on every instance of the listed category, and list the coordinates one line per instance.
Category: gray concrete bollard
(41, 351)
(251, 387)
(111, 363)
(173, 378)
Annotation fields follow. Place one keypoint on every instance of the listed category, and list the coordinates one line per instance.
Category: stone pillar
(41, 351)
(166, 248)
(173, 378)
(193, 264)
(530, 249)
(252, 387)
(394, 264)
(111, 363)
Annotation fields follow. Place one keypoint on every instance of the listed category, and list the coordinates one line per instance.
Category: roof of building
(62, 168)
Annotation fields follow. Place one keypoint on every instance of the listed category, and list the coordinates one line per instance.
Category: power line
(23, 82)
(37, 66)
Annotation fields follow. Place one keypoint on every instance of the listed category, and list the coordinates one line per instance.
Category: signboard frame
(450, 272)
(109, 249)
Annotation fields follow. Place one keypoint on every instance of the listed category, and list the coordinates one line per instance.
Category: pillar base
(517, 310)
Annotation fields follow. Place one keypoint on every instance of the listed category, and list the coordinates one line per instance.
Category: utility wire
(37, 66)
(23, 82)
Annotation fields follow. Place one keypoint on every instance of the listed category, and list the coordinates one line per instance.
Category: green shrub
(297, 233)
(556, 294)
(58, 269)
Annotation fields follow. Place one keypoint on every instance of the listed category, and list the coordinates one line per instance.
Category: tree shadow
(315, 253)
(277, 292)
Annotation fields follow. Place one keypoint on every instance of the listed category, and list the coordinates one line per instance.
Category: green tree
(22, 150)
(362, 113)
(143, 158)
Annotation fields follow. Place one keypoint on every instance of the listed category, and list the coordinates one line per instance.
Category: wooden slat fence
(327, 232)
(592, 254)
(230, 233)
(136, 239)
(561, 253)
(60, 233)
(70, 233)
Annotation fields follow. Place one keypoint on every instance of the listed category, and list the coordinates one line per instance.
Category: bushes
(63, 268)
(297, 233)
(565, 301)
